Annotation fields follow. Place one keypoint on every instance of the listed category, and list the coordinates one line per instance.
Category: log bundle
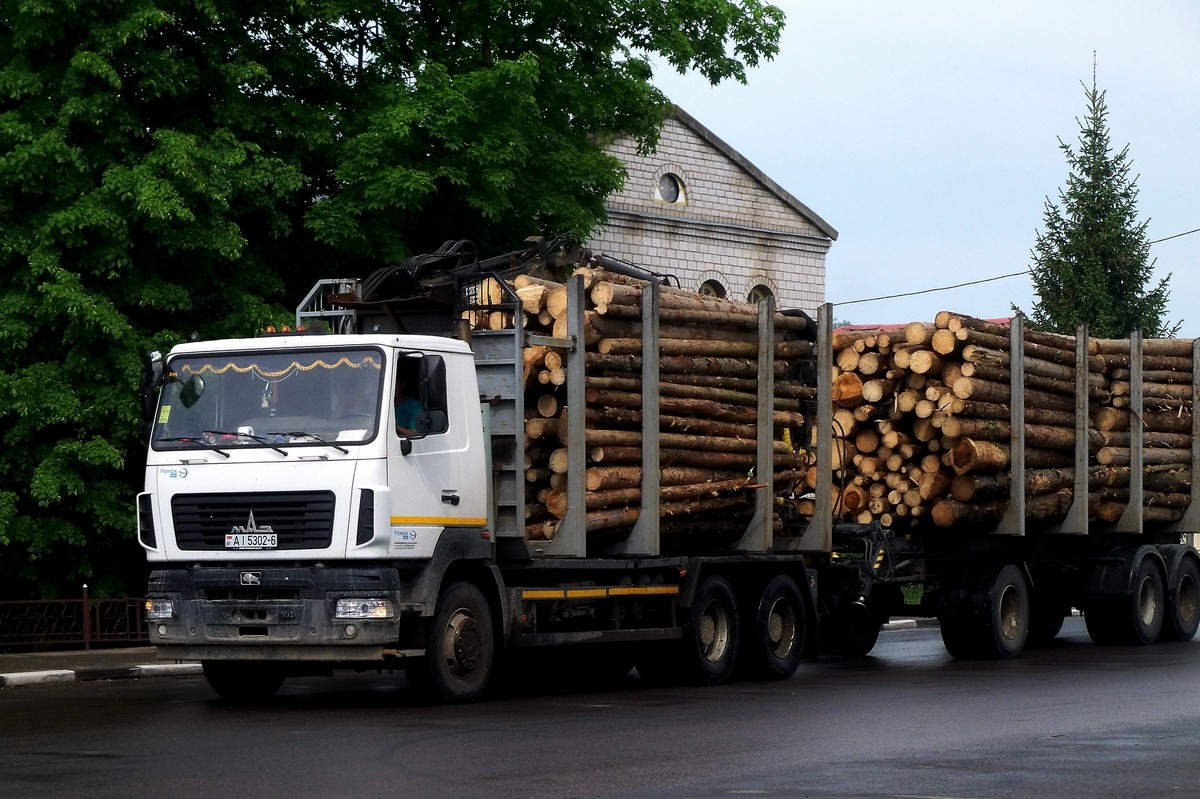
(922, 425)
(922, 417)
(707, 409)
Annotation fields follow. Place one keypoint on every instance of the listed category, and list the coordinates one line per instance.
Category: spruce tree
(1092, 263)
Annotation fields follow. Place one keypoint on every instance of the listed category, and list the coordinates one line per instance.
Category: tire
(1183, 609)
(1148, 607)
(775, 636)
(711, 636)
(1009, 618)
(1045, 623)
(990, 618)
(461, 651)
(958, 637)
(1102, 617)
(1136, 618)
(855, 631)
(243, 681)
(957, 605)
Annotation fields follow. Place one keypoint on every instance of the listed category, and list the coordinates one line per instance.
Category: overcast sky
(926, 132)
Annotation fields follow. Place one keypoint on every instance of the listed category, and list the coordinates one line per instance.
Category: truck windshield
(270, 399)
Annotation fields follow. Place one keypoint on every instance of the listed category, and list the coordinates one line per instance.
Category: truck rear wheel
(1148, 607)
(1184, 617)
(461, 649)
(775, 643)
(958, 637)
(242, 680)
(1046, 617)
(712, 635)
(1102, 617)
(988, 619)
(1009, 619)
(1135, 618)
(854, 630)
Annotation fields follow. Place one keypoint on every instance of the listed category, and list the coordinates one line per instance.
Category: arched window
(713, 288)
(759, 293)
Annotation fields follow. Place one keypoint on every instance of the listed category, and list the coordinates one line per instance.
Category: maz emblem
(251, 527)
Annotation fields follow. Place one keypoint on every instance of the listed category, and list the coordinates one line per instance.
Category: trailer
(293, 527)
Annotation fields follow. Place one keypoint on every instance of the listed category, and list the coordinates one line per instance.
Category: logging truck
(456, 465)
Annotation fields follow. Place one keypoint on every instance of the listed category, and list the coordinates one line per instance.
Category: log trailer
(635, 518)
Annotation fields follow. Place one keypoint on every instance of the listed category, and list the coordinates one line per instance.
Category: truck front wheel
(461, 649)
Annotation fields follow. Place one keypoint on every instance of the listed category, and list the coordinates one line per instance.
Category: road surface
(1072, 720)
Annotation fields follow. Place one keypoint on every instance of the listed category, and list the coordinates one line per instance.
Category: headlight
(363, 608)
(160, 609)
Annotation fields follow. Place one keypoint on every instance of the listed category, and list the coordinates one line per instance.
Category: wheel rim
(1010, 613)
(713, 633)
(1147, 602)
(462, 643)
(781, 628)
(1187, 599)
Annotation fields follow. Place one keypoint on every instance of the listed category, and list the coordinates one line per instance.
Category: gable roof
(733, 155)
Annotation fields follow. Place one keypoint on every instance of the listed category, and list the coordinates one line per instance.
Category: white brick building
(698, 210)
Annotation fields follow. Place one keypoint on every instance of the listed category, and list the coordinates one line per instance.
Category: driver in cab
(407, 410)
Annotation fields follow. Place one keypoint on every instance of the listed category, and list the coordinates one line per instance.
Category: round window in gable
(670, 189)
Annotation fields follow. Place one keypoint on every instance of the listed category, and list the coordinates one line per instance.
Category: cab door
(426, 471)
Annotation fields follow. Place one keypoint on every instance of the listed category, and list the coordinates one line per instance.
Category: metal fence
(70, 623)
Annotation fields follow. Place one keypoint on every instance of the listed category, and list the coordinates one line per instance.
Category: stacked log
(921, 422)
(707, 408)
(924, 431)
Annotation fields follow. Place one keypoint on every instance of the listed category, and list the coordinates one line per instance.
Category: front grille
(300, 519)
(252, 594)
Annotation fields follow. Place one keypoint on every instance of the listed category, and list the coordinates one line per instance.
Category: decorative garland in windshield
(368, 362)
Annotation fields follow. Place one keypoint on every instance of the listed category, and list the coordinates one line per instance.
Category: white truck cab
(276, 471)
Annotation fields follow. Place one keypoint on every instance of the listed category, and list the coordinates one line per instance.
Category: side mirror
(152, 378)
(433, 383)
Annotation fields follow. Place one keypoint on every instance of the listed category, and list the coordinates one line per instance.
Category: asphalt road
(1073, 720)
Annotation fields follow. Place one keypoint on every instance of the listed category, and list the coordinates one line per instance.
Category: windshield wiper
(260, 439)
(314, 436)
(197, 440)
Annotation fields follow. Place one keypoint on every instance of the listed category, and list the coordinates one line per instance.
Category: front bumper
(223, 613)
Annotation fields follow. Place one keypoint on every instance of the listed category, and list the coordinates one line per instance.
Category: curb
(99, 673)
(909, 624)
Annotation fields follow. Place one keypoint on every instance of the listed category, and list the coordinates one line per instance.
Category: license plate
(251, 541)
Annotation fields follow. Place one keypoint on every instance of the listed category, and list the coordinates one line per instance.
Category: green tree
(138, 184)
(490, 115)
(170, 166)
(1092, 263)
